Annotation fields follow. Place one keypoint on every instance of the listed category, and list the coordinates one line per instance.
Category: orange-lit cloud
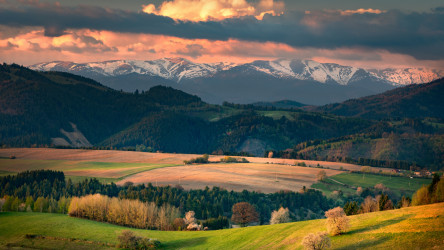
(204, 10)
(87, 45)
(362, 11)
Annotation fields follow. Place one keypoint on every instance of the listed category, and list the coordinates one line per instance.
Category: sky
(368, 34)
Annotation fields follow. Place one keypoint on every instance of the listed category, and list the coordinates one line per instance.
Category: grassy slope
(414, 227)
(398, 185)
(79, 170)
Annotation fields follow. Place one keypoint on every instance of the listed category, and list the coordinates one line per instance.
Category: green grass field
(398, 185)
(78, 170)
(409, 228)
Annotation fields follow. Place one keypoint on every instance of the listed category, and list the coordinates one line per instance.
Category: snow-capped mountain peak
(178, 69)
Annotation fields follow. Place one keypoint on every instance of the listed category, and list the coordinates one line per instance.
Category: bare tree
(369, 205)
(280, 216)
(316, 241)
(244, 213)
(337, 221)
(321, 175)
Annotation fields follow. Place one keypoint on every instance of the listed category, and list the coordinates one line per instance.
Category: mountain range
(62, 109)
(305, 81)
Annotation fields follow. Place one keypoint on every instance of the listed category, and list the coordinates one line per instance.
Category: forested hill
(413, 101)
(60, 109)
(35, 106)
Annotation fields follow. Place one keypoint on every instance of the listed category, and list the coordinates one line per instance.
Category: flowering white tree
(280, 216)
(316, 241)
(337, 221)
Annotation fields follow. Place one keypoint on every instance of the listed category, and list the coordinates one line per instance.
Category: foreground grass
(415, 227)
(398, 185)
(78, 170)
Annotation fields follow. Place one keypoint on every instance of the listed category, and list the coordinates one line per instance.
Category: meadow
(266, 178)
(419, 227)
(261, 174)
(106, 172)
(397, 185)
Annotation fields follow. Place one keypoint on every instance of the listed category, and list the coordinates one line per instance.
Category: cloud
(192, 50)
(362, 11)
(420, 35)
(204, 10)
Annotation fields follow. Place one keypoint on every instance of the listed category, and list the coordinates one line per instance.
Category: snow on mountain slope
(177, 69)
(174, 69)
(305, 70)
(409, 75)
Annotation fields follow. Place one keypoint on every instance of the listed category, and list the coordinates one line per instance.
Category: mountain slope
(415, 101)
(35, 107)
(61, 109)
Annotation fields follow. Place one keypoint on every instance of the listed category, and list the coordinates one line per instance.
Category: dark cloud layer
(418, 34)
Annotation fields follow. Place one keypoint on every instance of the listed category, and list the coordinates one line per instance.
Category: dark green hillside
(34, 106)
(60, 109)
(385, 151)
(414, 101)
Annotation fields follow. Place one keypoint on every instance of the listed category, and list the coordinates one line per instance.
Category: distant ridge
(306, 81)
(280, 104)
(414, 101)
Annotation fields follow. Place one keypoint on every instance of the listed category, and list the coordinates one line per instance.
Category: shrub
(228, 159)
(200, 160)
(301, 164)
(337, 221)
(280, 216)
(127, 239)
(316, 241)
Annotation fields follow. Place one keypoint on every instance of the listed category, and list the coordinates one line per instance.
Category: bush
(316, 241)
(127, 239)
(228, 159)
(280, 216)
(200, 160)
(337, 221)
(301, 164)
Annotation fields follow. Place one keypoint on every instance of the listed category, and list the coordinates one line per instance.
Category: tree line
(206, 203)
